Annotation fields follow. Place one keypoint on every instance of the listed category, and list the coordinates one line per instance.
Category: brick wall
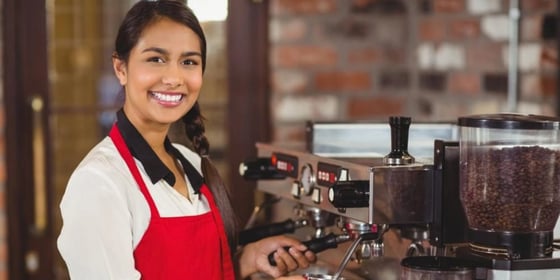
(434, 60)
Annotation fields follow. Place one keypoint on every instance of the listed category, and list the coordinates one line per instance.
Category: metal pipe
(514, 15)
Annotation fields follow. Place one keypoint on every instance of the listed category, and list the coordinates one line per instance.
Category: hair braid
(194, 128)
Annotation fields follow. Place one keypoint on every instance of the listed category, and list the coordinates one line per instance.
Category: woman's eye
(190, 62)
(155, 59)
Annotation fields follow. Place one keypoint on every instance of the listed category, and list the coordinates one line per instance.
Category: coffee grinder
(509, 174)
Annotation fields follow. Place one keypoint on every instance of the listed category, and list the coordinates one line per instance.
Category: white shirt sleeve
(96, 240)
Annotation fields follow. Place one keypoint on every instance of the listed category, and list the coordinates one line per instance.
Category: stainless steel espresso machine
(474, 200)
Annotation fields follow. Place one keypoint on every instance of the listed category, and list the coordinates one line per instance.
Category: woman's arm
(96, 237)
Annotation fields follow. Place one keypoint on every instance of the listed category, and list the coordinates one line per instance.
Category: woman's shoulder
(103, 164)
(103, 155)
(101, 176)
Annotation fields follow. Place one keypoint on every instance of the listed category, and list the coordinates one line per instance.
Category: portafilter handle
(317, 245)
(399, 142)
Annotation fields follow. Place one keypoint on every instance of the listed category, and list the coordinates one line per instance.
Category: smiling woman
(141, 207)
(81, 96)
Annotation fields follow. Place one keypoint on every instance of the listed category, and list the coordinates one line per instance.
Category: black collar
(155, 168)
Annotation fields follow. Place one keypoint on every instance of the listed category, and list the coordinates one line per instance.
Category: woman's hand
(295, 277)
(254, 256)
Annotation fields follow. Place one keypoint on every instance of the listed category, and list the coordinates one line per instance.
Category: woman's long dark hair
(137, 19)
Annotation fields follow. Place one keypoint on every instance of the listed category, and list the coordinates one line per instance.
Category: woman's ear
(119, 66)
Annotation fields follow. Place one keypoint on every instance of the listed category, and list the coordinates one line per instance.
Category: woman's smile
(167, 99)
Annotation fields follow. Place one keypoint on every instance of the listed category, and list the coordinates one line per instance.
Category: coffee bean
(511, 189)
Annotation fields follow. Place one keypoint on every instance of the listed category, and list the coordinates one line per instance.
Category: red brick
(486, 57)
(464, 29)
(536, 5)
(395, 55)
(531, 27)
(303, 7)
(529, 86)
(334, 81)
(549, 58)
(548, 85)
(449, 6)
(289, 82)
(286, 31)
(375, 107)
(307, 56)
(367, 56)
(364, 56)
(432, 29)
(468, 83)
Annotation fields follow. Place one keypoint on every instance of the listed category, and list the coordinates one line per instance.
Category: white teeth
(167, 98)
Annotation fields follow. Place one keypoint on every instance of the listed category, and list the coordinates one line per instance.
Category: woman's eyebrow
(193, 53)
(156, 49)
(165, 52)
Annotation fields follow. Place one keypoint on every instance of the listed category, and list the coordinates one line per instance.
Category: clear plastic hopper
(510, 177)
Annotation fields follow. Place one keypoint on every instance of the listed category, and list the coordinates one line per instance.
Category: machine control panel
(327, 174)
(285, 164)
(308, 177)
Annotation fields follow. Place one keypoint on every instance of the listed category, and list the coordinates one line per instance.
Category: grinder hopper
(510, 182)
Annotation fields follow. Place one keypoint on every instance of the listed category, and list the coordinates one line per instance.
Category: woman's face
(163, 76)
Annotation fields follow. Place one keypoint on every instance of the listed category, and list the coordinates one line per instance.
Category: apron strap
(116, 136)
(227, 265)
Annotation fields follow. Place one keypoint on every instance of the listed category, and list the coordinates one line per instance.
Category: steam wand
(368, 236)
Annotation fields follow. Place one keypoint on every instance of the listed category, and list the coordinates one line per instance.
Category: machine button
(316, 195)
(296, 189)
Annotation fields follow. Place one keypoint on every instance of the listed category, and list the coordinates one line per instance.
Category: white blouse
(105, 214)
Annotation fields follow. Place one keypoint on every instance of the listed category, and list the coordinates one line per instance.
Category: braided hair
(194, 128)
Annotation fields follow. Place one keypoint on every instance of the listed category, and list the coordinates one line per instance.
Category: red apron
(188, 247)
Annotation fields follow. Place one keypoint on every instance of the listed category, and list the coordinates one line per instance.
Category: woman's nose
(172, 76)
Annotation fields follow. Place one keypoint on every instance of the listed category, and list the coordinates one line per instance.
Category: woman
(137, 206)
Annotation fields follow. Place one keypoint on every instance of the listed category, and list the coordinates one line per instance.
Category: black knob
(349, 194)
(399, 142)
(259, 169)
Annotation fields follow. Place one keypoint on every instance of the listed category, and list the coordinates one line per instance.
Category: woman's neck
(154, 133)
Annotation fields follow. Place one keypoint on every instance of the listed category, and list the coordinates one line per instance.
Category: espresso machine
(474, 200)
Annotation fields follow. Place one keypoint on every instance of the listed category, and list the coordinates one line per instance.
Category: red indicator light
(273, 160)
